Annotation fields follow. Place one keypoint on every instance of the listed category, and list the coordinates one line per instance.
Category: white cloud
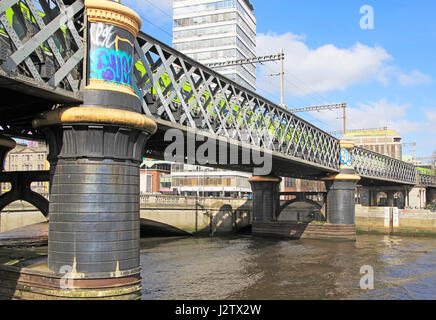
(322, 69)
(431, 115)
(414, 78)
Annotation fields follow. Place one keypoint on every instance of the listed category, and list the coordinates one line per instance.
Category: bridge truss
(42, 56)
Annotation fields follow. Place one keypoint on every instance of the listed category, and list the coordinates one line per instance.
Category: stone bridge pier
(341, 189)
(95, 150)
(266, 198)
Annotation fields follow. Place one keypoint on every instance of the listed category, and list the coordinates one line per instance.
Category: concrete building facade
(191, 180)
(211, 31)
(386, 142)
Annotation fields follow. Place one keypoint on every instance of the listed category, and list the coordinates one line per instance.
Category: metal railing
(374, 165)
(426, 180)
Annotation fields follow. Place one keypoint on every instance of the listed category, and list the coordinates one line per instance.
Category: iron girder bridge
(42, 63)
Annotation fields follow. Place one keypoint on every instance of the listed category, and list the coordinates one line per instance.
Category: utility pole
(324, 107)
(345, 117)
(282, 78)
(282, 75)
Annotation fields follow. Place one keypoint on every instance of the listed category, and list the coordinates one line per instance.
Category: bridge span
(81, 76)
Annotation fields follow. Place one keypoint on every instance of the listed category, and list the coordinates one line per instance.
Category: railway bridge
(83, 77)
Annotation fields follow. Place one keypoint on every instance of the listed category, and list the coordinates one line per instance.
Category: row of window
(209, 43)
(228, 53)
(210, 182)
(391, 150)
(213, 18)
(219, 5)
(204, 31)
(27, 157)
(26, 167)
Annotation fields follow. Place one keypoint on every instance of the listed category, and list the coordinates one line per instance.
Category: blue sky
(386, 75)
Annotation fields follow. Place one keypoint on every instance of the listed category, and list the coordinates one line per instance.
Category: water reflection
(246, 267)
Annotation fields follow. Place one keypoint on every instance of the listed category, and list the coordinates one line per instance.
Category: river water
(248, 267)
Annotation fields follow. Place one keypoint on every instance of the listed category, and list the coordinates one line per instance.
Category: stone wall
(395, 221)
(19, 214)
(191, 215)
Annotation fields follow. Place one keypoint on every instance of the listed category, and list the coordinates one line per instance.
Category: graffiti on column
(346, 158)
(111, 54)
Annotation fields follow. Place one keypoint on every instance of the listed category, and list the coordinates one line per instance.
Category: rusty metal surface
(37, 282)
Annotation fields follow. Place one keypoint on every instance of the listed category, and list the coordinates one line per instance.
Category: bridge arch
(301, 210)
(21, 189)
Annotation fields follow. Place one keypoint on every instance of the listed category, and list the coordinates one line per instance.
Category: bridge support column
(266, 197)
(341, 189)
(95, 153)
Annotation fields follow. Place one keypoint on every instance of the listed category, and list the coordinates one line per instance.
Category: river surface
(248, 267)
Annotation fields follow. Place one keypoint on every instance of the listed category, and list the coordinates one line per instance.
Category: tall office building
(211, 31)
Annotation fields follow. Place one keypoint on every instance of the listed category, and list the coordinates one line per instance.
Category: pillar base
(32, 280)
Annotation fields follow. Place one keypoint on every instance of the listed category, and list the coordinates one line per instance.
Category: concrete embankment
(18, 215)
(387, 220)
(164, 215)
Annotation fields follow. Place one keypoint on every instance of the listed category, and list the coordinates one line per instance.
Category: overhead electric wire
(161, 10)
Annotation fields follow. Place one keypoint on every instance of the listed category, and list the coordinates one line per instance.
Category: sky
(386, 74)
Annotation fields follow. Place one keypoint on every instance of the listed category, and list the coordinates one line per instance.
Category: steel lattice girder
(187, 93)
(375, 165)
(426, 180)
(51, 48)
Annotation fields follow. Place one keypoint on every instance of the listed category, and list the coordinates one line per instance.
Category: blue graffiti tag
(346, 158)
(112, 65)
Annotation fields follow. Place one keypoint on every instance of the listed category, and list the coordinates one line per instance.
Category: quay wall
(387, 220)
(191, 215)
(194, 215)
